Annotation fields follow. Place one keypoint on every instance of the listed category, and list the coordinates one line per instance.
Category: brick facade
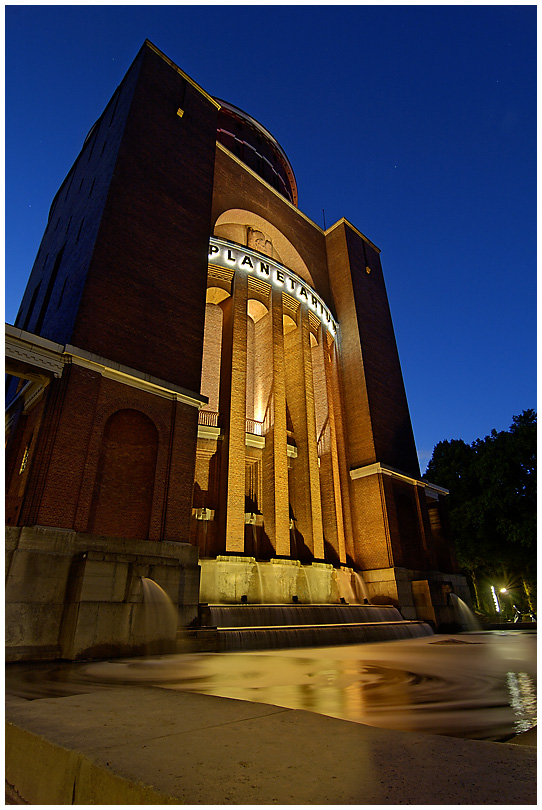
(312, 453)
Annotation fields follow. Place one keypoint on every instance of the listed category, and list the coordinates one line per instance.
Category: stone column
(233, 411)
(275, 457)
(306, 478)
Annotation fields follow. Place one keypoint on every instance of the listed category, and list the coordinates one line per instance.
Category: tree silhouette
(492, 506)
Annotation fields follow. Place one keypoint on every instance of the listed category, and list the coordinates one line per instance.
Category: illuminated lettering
(220, 254)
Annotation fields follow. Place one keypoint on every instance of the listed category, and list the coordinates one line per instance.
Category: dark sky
(416, 123)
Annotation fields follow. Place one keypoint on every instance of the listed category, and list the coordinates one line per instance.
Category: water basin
(473, 685)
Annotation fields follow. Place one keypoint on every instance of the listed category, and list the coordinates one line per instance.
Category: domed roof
(254, 145)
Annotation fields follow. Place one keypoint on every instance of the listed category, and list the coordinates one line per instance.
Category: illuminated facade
(205, 364)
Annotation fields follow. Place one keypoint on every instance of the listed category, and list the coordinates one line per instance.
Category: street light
(496, 600)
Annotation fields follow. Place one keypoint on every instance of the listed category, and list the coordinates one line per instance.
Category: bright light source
(495, 599)
(503, 590)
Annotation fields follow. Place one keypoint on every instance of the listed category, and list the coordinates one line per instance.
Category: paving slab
(149, 745)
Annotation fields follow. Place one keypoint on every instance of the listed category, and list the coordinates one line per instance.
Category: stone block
(13, 534)
(379, 575)
(167, 576)
(104, 581)
(37, 577)
(189, 585)
(103, 626)
(408, 613)
(32, 625)
(47, 539)
(383, 592)
(404, 594)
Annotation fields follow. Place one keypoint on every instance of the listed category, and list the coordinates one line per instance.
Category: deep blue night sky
(416, 123)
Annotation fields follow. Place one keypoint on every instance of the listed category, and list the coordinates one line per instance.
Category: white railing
(208, 418)
(254, 427)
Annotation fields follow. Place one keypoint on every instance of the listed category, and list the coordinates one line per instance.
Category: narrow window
(31, 307)
(24, 460)
(48, 292)
(91, 147)
(114, 109)
(62, 293)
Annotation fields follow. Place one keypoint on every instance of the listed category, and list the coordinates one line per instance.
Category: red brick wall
(124, 486)
(380, 428)
(144, 299)
(62, 489)
(235, 187)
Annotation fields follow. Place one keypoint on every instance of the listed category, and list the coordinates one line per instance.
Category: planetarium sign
(225, 254)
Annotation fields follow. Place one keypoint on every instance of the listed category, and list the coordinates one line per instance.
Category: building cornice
(166, 59)
(383, 469)
(268, 186)
(132, 377)
(344, 221)
(45, 359)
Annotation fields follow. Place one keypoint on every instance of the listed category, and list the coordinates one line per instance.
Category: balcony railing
(254, 427)
(208, 418)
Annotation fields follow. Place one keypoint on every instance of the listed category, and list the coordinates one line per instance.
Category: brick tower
(198, 367)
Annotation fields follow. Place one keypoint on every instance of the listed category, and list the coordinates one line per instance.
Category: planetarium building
(205, 392)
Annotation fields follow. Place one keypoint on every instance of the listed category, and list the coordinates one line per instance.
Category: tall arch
(124, 485)
(247, 228)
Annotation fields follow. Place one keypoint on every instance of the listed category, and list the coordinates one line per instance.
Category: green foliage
(492, 501)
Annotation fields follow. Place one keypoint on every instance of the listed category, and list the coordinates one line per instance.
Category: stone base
(421, 595)
(75, 596)
(231, 580)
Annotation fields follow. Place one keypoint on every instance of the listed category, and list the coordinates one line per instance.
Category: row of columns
(290, 357)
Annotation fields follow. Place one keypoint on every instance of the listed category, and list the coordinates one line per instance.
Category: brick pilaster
(233, 408)
(308, 505)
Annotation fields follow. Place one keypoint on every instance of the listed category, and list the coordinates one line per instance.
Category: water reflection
(522, 699)
(477, 685)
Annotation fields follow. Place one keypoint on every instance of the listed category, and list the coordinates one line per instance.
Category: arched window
(124, 487)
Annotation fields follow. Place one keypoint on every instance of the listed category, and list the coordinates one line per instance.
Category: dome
(257, 148)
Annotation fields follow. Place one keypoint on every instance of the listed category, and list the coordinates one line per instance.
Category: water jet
(465, 616)
(160, 619)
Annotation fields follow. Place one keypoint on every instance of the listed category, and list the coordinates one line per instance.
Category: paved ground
(146, 745)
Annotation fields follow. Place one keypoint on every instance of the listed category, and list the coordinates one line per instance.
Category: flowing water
(473, 685)
(160, 617)
(465, 616)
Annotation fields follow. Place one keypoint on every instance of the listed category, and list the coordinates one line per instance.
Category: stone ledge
(148, 745)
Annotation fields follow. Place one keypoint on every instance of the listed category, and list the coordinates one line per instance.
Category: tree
(492, 506)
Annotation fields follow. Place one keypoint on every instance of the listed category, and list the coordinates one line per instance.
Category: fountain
(160, 619)
(465, 616)
(247, 604)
